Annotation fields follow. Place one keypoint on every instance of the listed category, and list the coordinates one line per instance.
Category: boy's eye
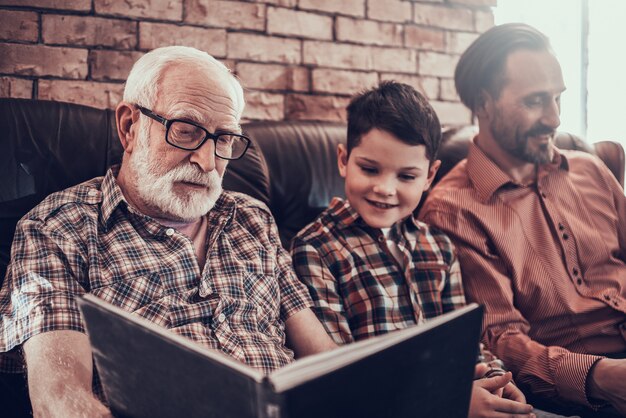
(369, 170)
(407, 177)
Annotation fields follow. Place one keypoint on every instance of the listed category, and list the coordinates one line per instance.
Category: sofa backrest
(48, 146)
(291, 166)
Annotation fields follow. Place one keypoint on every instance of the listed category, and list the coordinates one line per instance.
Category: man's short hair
(398, 109)
(481, 67)
(143, 81)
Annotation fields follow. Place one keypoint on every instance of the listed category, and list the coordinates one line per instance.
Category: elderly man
(156, 236)
(540, 232)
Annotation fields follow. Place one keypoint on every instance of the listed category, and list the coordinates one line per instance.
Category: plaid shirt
(358, 287)
(88, 239)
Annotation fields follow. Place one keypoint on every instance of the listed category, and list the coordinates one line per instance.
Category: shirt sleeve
(549, 371)
(329, 308)
(42, 281)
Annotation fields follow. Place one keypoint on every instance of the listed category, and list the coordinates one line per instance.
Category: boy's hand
(485, 402)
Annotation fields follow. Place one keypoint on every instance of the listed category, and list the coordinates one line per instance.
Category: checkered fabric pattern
(360, 289)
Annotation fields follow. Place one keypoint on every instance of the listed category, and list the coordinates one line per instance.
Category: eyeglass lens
(189, 136)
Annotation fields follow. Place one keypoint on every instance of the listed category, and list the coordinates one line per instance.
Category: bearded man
(540, 232)
(158, 237)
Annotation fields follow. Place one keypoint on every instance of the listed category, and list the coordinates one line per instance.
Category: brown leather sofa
(291, 166)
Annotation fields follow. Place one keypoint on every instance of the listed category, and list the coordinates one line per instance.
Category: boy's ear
(432, 171)
(127, 121)
(342, 159)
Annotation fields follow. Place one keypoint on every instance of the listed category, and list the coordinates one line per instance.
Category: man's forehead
(534, 70)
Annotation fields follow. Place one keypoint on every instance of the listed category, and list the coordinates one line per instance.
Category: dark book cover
(148, 371)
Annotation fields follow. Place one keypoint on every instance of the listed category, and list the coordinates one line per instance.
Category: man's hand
(60, 371)
(486, 401)
(607, 382)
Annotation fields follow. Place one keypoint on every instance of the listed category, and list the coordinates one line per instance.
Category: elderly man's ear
(127, 120)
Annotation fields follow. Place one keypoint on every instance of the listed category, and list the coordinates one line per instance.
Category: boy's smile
(385, 177)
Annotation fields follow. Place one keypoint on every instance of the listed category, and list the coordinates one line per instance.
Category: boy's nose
(385, 188)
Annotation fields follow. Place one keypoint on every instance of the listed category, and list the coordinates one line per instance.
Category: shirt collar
(488, 178)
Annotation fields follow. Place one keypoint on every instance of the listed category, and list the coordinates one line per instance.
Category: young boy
(370, 266)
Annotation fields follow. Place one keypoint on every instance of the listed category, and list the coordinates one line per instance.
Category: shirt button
(381, 238)
(169, 232)
(92, 193)
(579, 281)
(607, 297)
(543, 194)
(565, 236)
(575, 271)
(221, 317)
(561, 227)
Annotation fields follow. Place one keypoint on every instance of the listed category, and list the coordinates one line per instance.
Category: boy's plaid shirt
(358, 287)
(87, 239)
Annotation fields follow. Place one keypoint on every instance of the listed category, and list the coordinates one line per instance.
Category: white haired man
(156, 236)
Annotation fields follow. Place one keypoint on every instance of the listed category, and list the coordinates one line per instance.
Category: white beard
(155, 187)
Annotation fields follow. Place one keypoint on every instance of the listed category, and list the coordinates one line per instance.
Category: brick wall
(297, 59)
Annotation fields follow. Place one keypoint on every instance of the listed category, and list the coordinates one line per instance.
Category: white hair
(143, 81)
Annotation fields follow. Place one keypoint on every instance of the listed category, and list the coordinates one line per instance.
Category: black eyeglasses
(190, 136)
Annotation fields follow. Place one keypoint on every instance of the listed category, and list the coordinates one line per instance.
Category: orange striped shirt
(547, 260)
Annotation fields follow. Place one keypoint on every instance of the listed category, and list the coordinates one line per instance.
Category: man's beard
(518, 143)
(156, 188)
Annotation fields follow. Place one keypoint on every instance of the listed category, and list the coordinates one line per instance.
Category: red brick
(492, 3)
(452, 113)
(457, 42)
(112, 65)
(436, 64)
(344, 7)
(16, 87)
(273, 77)
(368, 32)
(389, 10)
(483, 20)
(429, 86)
(448, 90)
(395, 60)
(90, 93)
(154, 35)
(342, 81)
(89, 31)
(321, 108)
(329, 54)
(424, 38)
(301, 24)
(42, 60)
(263, 48)
(18, 26)
(50, 4)
(226, 14)
(155, 9)
(264, 106)
(443, 17)
(284, 3)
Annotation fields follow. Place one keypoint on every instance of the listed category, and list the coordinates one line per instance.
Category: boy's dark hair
(481, 67)
(397, 109)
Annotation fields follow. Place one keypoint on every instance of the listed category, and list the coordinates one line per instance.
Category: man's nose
(204, 157)
(552, 115)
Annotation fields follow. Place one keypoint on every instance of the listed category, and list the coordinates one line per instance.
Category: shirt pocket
(130, 291)
(430, 276)
(263, 292)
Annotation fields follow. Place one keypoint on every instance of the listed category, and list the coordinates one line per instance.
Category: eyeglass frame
(168, 123)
